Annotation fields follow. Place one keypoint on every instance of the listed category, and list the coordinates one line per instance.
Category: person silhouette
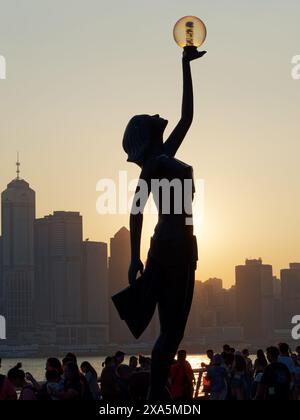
(172, 257)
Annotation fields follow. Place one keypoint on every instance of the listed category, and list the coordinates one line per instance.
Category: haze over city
(68, 77)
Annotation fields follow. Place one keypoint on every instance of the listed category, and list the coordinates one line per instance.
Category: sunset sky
(78, 70)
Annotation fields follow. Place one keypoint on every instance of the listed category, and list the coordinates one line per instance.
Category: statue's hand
(191, 53)
(135, 267)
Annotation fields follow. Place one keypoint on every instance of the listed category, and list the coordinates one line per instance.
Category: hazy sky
(78, 70)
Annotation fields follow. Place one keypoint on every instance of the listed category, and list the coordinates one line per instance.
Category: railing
(198, 387)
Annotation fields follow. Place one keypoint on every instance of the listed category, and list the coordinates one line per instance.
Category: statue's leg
(175, 294)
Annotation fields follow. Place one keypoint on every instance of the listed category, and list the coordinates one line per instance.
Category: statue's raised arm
(175, 139)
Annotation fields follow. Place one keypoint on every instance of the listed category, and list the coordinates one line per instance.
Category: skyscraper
(58, 250)
(94, 290)
(18, 214)
(255, 299)
(118, 279)
(290, 288)
(71, 281)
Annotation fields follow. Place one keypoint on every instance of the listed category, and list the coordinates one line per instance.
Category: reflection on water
(37, 366)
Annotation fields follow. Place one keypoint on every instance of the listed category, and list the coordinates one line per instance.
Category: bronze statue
(172, 256)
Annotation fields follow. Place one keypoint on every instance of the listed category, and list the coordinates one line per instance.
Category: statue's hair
(137, 138)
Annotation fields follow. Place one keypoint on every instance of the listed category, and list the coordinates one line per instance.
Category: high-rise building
(290, 289)
(212, 318)
(95, 283)
(18, 214)
(212, 306)
(58, 250)
(71, 280)
(196, 312)
(277, 303)
(118, 279)
(255, 299)
(214, 284)
(94, 291)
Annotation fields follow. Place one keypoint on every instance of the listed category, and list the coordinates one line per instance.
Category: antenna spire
(18, 164)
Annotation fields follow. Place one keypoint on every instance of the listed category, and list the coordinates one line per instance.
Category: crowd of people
(233, 375)
(230, 375)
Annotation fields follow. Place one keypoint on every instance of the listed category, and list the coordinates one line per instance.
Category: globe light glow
(189, 31)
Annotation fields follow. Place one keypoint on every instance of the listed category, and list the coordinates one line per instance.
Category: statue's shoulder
(172, 164)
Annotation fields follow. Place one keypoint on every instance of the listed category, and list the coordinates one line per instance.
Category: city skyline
(65, 105)
(56, 287)
(18, 171)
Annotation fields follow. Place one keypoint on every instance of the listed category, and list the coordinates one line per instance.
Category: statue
(172, 258)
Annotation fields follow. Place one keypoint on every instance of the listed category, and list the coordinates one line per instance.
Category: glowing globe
(189, 31)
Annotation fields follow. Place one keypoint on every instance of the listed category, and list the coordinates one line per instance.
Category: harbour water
(36, 366)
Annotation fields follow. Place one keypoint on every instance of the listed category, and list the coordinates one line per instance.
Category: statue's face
(158, 124)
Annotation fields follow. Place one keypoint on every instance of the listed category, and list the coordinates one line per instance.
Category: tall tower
(94, 287)
(118, 279)
(17, 219)
(58, 244)
(255, 299)
(290, 282)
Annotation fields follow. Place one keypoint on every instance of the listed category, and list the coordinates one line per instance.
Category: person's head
(239, 363)
(17, 376)
(210, 354)
(53, 376)
(272, 354)
(245, 353)
(66, 360)
(145, 362)
(109, 361)
(86, 367)
(133, 362)
(54, 364)
(284, 349)
(143, 136)
(71, 372)
(181, 355)
(119, 357)
(261, 355)
(142, 361)
(298, 350)
(226, 348)
(71, 356)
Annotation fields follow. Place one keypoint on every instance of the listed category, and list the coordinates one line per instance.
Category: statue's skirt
(136, 304)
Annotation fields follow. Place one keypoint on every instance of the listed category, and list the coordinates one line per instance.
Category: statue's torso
(172, 186)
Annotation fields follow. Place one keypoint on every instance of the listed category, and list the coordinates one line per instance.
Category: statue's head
(143, 135)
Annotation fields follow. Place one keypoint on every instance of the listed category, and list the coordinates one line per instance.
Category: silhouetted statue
(172, 256)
